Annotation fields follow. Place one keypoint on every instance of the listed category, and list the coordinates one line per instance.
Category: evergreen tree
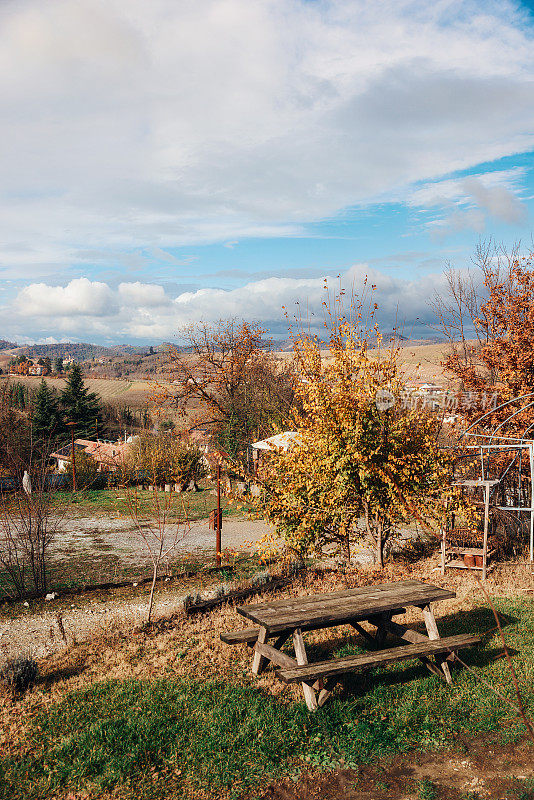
(58, 364)
(80, 405)
(46, 417)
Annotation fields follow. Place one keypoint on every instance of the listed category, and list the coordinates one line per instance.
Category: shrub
(19, 673)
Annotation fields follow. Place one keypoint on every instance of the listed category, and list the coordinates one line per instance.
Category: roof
(281, 441)
(111, 453)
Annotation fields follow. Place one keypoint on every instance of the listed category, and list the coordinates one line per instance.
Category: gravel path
(93, 545)
(105, 548)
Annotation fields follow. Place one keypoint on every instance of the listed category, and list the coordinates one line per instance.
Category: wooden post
(259, 661)
(443, 547)
(218, 522)
(73, 456)
(300, 655)
(433, 633)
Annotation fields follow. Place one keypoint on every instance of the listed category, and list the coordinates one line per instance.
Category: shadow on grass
(47, 680)
(478, 621)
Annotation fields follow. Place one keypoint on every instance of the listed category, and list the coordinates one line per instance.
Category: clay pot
(469, 560)
(479, 561)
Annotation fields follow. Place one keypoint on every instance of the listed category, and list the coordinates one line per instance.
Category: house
(108, 455)
(36, 369)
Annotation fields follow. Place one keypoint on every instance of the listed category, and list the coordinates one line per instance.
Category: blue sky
(185, 160)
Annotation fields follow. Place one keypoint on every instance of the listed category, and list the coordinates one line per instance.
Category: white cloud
(496, 200)
(138, 311)
(132, 124)
(142, 295)
(466, 202)
(80, 297)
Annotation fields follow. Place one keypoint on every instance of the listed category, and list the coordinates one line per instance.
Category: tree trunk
(151, 598)
(347, 548)
(379, 546)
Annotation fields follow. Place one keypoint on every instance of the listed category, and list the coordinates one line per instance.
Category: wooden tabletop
(337, 608)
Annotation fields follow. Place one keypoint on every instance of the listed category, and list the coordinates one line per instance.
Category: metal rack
(452, 555)
(491, 442)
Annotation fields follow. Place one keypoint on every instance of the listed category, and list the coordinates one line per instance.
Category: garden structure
(501, 450)
(290, 618)
(463, 547)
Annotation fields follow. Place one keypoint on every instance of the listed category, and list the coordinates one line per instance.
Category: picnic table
(376, 604)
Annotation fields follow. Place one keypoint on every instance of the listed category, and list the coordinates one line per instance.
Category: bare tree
(156, 531)
(29, 522)
(465, 317)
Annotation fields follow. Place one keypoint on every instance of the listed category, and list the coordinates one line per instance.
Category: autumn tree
(488, 319)
(164, 459)
(361, 464)
(87, 475)
(227, 378)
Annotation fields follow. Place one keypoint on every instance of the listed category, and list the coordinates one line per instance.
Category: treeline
(42, 419)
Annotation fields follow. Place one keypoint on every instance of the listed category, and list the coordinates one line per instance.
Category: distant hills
(85, 351)
(82, 351)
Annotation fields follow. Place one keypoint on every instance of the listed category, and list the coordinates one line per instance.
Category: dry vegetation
(180, 647)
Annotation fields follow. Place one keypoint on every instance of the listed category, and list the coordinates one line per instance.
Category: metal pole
(218, 521)
(486, 523)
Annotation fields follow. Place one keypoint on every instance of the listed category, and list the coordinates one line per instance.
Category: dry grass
(181, 646)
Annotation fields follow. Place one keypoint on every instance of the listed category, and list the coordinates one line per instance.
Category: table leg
(300, 655)
(259, 661)
(325, 691)
(433, 633)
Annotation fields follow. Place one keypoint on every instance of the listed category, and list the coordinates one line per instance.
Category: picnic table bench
(377, 605)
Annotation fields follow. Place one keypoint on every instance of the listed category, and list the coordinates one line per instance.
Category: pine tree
(46, 417)
(80, 405)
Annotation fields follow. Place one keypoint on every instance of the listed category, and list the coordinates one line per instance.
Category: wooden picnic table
(376, 604)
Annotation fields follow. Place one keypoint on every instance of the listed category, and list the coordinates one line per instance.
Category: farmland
(419, 363)
(134, 393)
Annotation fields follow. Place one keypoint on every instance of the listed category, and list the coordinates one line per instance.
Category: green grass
(115, 501)
(426, 790)
(174, 737)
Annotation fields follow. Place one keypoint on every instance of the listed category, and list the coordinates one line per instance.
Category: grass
(184, 737)
(197, 505)
(426, 790)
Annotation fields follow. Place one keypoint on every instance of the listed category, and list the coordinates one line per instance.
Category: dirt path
(481, 769)
(103, 548)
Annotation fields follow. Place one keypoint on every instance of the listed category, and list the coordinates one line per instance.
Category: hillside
(80, 351)
(135, 393)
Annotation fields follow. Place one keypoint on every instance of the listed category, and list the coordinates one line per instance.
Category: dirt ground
(476, 770)
(103, 547)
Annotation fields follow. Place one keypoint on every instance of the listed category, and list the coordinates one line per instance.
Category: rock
(26, 604)
(51, 596)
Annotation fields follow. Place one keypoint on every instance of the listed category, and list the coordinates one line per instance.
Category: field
(420, 363)
(134, 393)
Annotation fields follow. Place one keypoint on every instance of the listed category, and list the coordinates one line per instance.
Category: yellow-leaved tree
(362, 461)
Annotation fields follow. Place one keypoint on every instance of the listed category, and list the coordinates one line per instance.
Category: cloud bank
(144, 312)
